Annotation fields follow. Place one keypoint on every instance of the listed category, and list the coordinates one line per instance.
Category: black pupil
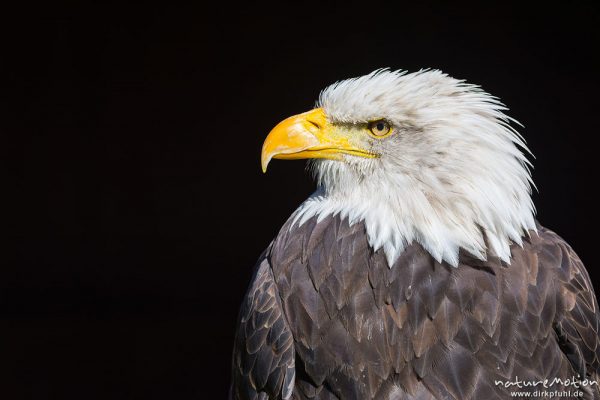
(380, 126)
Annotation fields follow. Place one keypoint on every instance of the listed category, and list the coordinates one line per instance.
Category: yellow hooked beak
(308, 135)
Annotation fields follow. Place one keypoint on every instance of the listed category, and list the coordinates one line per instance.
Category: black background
(140, 205)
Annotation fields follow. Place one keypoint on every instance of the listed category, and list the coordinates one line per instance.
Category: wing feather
(263, 354)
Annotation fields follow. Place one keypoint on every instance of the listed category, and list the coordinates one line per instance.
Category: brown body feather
(326, 318)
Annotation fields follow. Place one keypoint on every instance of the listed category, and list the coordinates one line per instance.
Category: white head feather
(451, 176)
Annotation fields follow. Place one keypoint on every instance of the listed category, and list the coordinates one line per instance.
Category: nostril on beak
(313, 123)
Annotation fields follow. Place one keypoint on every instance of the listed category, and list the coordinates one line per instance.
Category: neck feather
(482, 217)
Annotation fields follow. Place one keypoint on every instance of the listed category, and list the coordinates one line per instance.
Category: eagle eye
(380, 127)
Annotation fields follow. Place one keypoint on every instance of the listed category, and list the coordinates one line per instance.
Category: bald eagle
(417, 269)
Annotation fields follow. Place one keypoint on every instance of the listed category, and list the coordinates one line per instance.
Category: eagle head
(416, 157)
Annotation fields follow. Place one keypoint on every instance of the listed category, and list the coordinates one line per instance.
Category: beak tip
(264, 162)
(291, 137)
